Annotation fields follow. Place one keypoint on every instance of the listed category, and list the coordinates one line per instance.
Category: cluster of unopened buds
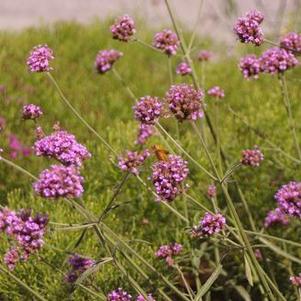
(79, 265)
(167, 252)
(209, 225)
(252, 157)
(121, 295)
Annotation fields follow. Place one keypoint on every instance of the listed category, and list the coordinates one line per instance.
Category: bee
(160, 152)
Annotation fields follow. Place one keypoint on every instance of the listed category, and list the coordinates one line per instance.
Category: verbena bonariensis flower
(216, 92)
(258, 254)
(79, 264)
(119, 295)
(185, 102)
(11, 258)
(277, 60)
(149, 298)
(289, 199)
(31, 111)
(183, 69)
(131, 161)
(167, 177)
(248, 29)
(250, 66)
(291, 42)
(168, 251)
(204, 55)
(17, 148)
(2, 123)
(105, 59)
(123, 28)
(145, 131)
(211, 191)
(276, 217)
(27, 232)
(40, 58)
(166, 41)
(209, 225)
(296, 280)
(252, 157)
(63, 147)
(59, 181)
(148, 109)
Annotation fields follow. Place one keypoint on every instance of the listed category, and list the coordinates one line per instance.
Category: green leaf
(207, 285)
(279, 251)
(248, 270)
(243, 292)
(93, 269)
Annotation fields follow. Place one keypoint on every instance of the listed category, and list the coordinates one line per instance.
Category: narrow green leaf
(242, 292)
(207, 285)
(248, 270)
(279, 251)
(92, 270)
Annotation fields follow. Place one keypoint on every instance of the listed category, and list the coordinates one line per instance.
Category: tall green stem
(288, 108)
(78, 115)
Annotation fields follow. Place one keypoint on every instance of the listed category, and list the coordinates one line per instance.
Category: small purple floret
(167, 177)
(185, 102)
(167, 41)
(209, 225)
(31, 111)
(123, 28)
(289, 199)
(40, 58)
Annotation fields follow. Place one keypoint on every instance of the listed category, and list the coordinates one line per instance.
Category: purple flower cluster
(167, 252)
(277, 60)
(252, 157)
(123, 28)
(59, 181)
(288, 198)
(145, 131)
(131, 161)
(31, 111)
(39, 59)
(216, 92)
(17, 148)
(250, 66)
(26, 231)
(211, 191)
(248, 29)
(167, 177)
(63, 147)
(296, 280)
(204, 55)
(209, 225)
(185, 102)
(276, 217)
(79, 264)
(183, 69)
(2, 123)
(105, 60)
(148, 109)
(166, 41)
(291, 42)
(119, 295)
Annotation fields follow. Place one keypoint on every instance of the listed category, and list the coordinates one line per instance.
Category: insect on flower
(160, 152)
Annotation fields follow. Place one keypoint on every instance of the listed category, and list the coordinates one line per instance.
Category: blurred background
(216, 16)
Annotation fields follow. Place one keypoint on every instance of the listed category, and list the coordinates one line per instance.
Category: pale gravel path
(17, 14)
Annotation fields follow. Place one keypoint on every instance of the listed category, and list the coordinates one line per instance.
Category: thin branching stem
(78, 115)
